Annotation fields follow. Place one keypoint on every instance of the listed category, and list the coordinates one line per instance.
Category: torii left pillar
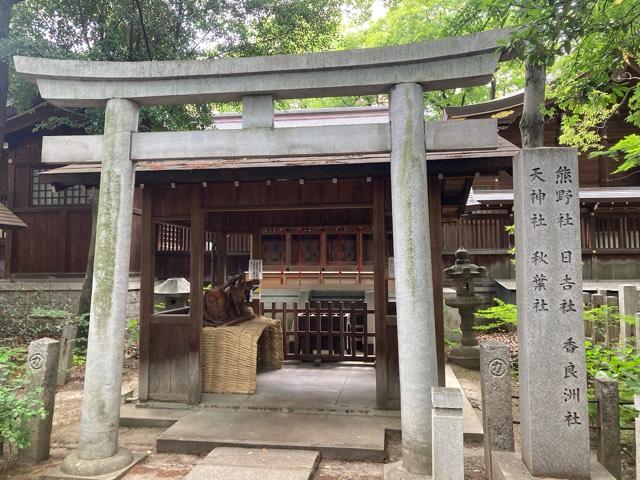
(99, 453)
(414, 290)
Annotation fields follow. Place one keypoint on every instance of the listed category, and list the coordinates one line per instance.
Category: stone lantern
(464, 273)
(174, 292)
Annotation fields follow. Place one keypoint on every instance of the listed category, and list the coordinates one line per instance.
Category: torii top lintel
(448, 63)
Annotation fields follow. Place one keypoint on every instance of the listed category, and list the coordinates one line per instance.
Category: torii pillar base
(112, 465)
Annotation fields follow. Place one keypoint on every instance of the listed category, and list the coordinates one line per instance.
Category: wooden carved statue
(226, 305)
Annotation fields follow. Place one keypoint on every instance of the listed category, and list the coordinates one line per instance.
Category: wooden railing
(607, 233)
(619, 232)
(177, 238)
(477, 233)
(345, 331)
(239, 244)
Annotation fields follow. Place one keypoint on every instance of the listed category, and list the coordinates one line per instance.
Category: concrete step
(268, 464)
(142, 417)
(344, 437)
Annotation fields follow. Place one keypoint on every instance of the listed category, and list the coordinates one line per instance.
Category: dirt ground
(66, 428)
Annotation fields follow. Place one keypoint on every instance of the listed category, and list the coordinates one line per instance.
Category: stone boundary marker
(611, 328)
(597, 300)
(636, 401)
(608, 415)
(42, 371)
(554, 421)
(65, 362)
(3, 374)
(447, 434)
(628, 296)
(497, 410)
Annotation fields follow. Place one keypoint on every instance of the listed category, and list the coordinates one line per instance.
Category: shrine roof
(603, 195)
(9, 220)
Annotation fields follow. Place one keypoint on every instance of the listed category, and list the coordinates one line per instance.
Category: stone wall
(18, 299)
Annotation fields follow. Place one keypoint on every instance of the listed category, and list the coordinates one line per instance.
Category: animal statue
(226, 305)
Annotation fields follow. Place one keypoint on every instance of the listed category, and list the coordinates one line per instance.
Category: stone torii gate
(404, 72)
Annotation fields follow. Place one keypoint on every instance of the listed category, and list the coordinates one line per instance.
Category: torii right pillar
(414, 291)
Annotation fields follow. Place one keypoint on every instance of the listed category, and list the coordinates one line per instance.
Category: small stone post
(611, 328)
(497, 410)
(3, 377)
(608, 414)
(414, 291)
(554, 420)
(588, 327)
(42, 370)
(636, 402)
(447, 431)
(637, 332)
(99, 453)
(65, 362)
(597, 300)
(628, 296)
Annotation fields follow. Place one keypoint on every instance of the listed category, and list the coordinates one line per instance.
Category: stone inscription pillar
(99, 451)
(414, 292)
(42, 371)
(497, 409)
(553, 382)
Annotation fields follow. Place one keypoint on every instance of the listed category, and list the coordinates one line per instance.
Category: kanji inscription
(550, 326)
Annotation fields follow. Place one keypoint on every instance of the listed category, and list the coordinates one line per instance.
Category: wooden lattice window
(44, 195)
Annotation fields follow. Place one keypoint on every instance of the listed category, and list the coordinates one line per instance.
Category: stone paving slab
(218, 472)
(334, 436)
(269, 464)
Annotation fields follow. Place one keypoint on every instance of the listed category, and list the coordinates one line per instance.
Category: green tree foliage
(133, 30)
(408, 21)
(591, 49)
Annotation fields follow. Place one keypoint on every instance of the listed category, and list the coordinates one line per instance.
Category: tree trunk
(84, 305)
(532, 121)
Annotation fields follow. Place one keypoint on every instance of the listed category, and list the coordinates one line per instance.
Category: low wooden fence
(331, 331)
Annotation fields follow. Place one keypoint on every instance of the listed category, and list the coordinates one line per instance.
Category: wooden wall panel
(22, 187)
(78, 235)
(136, 228)
(355, 190)
(171, 202)
(39, 248)
(284, 193)
(252, 193)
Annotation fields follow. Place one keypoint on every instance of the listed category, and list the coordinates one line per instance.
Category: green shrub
(43, 322)
(132, 334)
(13, 357)
(17, 406)
(620, 364)
(501, 316)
